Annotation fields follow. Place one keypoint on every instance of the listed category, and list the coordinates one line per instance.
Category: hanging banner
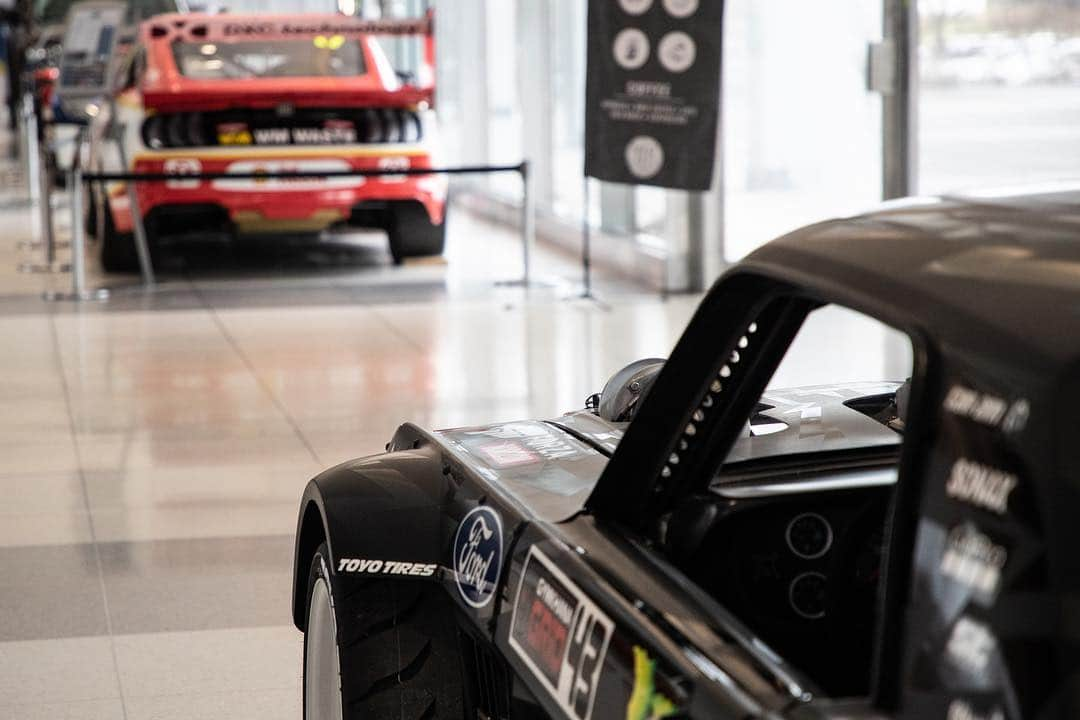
(652, 95)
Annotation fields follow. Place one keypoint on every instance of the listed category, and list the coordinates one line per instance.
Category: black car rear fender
(379, 515)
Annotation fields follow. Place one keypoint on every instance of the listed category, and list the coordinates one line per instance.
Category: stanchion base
(37, 244)
(588, 296)
(44, 268)
(528, 283)
(85, 296)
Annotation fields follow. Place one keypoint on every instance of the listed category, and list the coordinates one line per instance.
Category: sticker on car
(182, 166)
(272, 167)
(560, 634)
(478, 546)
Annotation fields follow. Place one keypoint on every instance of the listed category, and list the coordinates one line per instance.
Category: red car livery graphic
(269, 95)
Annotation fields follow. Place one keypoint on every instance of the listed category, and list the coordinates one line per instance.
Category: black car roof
(991, 283)
(993, 272)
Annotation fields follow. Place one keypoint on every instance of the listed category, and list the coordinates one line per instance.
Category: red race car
(269, 94)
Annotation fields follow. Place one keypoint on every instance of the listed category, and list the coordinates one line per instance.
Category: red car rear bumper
(285, 202)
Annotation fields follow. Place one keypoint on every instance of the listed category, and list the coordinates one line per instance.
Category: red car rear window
(322, 55)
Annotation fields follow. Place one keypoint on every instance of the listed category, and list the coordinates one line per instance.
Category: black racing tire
(118, 253)
(397, 646)
(412, 234)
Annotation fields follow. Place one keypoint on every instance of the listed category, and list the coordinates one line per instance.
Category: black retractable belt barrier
(78, 178)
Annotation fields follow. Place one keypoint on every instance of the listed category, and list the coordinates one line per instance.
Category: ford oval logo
(478, 555)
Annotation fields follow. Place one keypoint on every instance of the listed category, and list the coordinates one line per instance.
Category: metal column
(900, 100)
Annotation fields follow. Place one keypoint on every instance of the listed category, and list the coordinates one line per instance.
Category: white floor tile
(260, 705)
(210, 520)
(112, 709)
(56, 671)
(45, 528)
(210, 661)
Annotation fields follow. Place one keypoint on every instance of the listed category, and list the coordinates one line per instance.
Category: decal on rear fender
(368, 566)
(560, 634)
(478, 547)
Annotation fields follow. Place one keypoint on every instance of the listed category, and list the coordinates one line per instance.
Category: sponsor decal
(272, 136)
(478, 547)
(332, 132)
(233, 134)
(973, 559)
(963, 710)
(248, 29)
(970, 646)
(358, 27)
(547, 442)
(366, 566)
(394, 163)
(271, 167)
(980, 485)
(646, 703)
(507, 454)
(560, 635)
(182, 166)
(987, 409)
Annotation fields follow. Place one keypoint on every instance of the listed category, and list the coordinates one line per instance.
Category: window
(332, 55)
(802, 131)
(791, 535)
(997, 93)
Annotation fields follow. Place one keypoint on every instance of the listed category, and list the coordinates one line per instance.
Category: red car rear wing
(164, 88)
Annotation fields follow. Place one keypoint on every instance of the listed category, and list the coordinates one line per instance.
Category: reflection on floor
(153, 448)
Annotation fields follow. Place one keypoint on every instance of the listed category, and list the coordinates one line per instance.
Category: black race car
(693, 545)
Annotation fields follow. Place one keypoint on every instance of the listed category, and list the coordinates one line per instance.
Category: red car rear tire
(412, 234)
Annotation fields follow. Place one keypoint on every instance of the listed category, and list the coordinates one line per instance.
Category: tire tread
(397, 647)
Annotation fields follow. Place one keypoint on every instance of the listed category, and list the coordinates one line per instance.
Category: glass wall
(802, 131)
(511, 84)
(998, 100)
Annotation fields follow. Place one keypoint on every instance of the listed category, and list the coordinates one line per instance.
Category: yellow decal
(645, 702)
(234, 137)
(329, 43)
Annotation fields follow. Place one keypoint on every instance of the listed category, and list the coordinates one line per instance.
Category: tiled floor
(153, 448)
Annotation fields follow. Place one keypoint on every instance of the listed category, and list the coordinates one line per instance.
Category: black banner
(652, 93)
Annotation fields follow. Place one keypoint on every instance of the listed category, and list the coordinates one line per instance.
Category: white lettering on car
(473, 565)
(971, 645)
(385, 567)
(972, 559)
(981, 485)
(271, 136)
(962, 710)
(987, 409)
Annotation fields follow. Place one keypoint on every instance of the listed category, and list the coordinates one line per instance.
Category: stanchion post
(142, 247)
(78, 292)
(33, 182)
(78, 246)
(528, 221)
(586, 241)
(40, 186)
(45, 210)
